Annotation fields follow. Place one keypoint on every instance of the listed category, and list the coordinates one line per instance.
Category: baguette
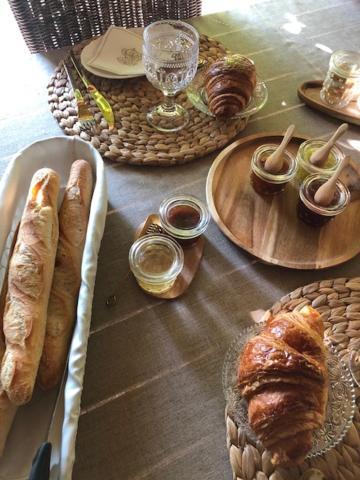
(30, 276)
(73, 219)
(7, 409)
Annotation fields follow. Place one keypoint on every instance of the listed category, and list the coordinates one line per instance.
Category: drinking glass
(170, 56)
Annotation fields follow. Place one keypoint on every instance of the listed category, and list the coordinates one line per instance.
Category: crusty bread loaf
(73, 219)
(7, 409)
(30, 276)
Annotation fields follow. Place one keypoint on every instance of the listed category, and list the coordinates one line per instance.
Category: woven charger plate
(338, 301)
(132, 140)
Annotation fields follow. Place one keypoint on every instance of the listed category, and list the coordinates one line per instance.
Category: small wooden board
(309, 92)
(192, 258)
(268, 226)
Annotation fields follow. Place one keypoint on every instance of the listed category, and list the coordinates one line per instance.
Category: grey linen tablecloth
(152, 404)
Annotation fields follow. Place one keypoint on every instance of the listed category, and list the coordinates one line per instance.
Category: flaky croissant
(282, 374)
(229, 84)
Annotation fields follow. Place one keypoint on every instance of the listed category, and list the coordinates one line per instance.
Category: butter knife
(98, 97)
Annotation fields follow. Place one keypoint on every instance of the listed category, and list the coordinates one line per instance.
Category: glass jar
(156, 261)
(311, 212)
(266, 183)
(342, 80)
(184, 217)
(306, 168)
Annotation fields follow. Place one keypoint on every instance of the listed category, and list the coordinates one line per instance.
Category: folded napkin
(119, 51)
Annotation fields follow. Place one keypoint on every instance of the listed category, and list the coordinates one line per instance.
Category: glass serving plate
(341, 402)
(197, 95)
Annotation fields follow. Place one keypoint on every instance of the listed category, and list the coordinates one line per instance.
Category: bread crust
(73, 220)
(30, 276)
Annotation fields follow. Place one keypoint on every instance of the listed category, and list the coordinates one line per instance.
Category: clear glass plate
(341, 402)
(197, 96)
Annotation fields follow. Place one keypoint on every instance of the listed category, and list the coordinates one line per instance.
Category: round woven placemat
(132, 140)
(338, 301)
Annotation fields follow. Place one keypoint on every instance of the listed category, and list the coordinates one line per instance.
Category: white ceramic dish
(32, 420)
(88, 53)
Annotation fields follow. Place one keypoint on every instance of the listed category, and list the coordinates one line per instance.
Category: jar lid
(184, 216)
(258, 161)
(309, 187)
(346, 63)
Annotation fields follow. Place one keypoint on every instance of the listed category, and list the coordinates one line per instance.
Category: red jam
(183, 217)
(307, 215)
(264, 187)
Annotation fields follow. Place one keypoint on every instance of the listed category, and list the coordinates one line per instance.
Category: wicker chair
(49, 24)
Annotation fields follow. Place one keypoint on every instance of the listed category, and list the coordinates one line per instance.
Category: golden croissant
(229, 84)
(282, 373)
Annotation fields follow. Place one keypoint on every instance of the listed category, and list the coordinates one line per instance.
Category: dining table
(152, 403)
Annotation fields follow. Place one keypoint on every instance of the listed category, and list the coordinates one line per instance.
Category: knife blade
(98, 97)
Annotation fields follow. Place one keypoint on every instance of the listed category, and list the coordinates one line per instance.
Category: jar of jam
(342, 81)
(311, 212)
(184, 217)
(156, 261)
(264, 182)
(306, 168)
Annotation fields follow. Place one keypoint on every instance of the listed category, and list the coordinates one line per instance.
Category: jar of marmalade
(305, 167)
(264, 182)
(311, 212)
(184, 217)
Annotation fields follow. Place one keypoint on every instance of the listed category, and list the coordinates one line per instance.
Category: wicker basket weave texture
(50, 24)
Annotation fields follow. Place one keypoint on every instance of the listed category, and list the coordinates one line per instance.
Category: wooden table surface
(152, 405)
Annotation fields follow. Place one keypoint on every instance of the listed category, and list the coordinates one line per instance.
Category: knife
(40, 468)
(98, 97)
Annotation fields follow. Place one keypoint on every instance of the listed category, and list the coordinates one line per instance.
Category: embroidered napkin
(119, 51)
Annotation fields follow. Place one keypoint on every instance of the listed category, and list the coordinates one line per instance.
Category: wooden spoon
(275, 161)
(320, 156)
(324, 195)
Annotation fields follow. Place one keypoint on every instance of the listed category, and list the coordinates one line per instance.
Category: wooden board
(192, 258)
(309, 92)
(268, 226)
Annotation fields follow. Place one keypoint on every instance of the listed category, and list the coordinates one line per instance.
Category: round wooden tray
(309, 92)
(268, 226)
(192, 259)
(338, 301)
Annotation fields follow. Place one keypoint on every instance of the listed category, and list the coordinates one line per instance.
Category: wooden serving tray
(268, 226)
(192, 258)
(309, 92)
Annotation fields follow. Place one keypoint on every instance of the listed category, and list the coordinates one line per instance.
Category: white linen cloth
(32, 420)
(119, 51)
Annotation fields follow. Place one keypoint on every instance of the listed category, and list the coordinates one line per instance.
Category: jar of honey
(264, 182)
(311, 212)
(305, 167)
(342, 81)
(184, 217)
(156, 261)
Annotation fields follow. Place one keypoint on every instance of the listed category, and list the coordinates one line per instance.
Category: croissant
(229, 84)
(282, 373)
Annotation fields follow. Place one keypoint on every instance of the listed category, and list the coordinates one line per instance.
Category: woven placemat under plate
(132, 140)
(338, 301)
